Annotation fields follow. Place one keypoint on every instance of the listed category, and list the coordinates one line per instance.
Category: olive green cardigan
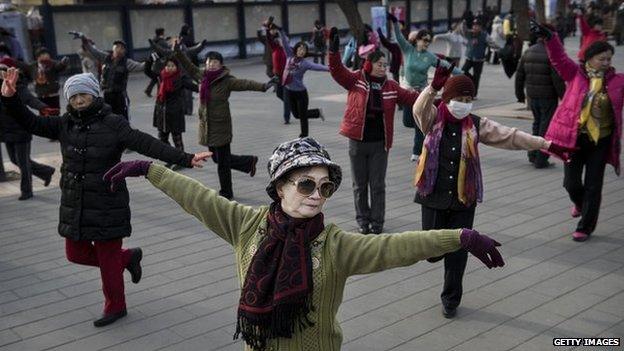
(336, 254)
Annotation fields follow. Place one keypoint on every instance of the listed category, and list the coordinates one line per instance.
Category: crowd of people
(292, 266)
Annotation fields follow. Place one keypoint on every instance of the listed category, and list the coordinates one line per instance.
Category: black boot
(109, 318)
(134, 266)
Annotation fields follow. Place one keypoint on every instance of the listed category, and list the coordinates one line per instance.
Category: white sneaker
(415, 158)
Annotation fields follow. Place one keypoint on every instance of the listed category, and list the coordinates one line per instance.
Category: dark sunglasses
(307, 186)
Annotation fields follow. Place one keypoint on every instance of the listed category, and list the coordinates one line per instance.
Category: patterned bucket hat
(299, 153)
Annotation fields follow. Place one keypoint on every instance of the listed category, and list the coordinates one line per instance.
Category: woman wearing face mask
(448, 175)
(416, 63)
(369, 124)
(93, 219)
(215, 120)
(293, 267)
(589, 118)
(292, 80)
(169, 109)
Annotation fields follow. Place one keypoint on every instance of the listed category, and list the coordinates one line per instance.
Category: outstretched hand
(117, 175)
(441, 75)
(199, 158)
(482, 247)
(392, 18)
(9, 82)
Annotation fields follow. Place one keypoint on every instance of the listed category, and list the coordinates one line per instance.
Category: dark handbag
(408, 119)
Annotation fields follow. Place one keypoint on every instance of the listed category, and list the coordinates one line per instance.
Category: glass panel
(440, 10)
(419, 10)
(144, 21)
(459, 6)
(101, 26)
(476, 6)
(255, 15)
(301, 17)
(365, 12)
(335, 17)
(204, 19)
(505, 6)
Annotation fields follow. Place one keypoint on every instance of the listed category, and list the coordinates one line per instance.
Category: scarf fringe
(257, 330)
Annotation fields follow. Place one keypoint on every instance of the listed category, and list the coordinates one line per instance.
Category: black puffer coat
(169, 115)
(92, 141)
(539, 77)
(10, 130)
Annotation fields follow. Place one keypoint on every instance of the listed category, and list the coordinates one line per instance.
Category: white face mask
(458, 109)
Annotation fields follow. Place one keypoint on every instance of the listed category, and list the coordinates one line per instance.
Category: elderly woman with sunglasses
(291, 265)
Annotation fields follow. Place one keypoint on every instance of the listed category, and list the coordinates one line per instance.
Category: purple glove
(481, 246)
(120, 171)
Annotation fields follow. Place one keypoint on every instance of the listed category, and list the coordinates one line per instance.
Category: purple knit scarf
(204, 89)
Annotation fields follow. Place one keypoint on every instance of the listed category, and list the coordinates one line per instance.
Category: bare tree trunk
(350, 10)
(540, 11)
(521, 9)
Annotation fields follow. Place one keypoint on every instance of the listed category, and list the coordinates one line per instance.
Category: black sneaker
(25, 197)
(449, 312)
(134, 266)
(364, 229)
(376, 229)
(109, 318)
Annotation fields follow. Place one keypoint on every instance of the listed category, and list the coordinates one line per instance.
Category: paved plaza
(550, 286)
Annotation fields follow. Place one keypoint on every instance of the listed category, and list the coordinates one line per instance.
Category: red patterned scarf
(166, 84)
(277, 293)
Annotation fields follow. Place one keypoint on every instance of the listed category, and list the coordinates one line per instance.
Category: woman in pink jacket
(589, 118)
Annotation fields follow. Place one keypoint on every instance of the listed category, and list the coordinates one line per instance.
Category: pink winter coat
(563, 128)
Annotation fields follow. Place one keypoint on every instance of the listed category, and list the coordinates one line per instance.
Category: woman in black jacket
(169, 108)
(94, 219)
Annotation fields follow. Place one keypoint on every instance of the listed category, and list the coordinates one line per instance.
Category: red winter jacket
(355, 82)
(278, 55)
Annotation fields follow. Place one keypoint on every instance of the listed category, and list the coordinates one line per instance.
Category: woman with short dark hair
(589, 118)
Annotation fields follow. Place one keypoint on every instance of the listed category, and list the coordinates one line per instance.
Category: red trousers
(111, 259)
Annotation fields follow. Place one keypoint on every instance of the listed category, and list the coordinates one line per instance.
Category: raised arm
(309, 65)
(585, 28)
(425, 113)
(286, 43)
(562, 63)
(223, 217)
(341, 74)
(47, 127)
(362, 254)
(403, 43)
(193, 71)
(497, 135)
(95, 52)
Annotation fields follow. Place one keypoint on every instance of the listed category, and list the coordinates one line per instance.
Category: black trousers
(19, 153)
(586, 195)
(177, 139)
(282, 94)
(118, 102)
(2, 172)
(454, 262)
(150, 86)
(543, 110)
(299, 102)
(477, 68)
(226, 162)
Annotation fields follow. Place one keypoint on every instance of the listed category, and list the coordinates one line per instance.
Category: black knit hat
(459, 85)
(597, 48)
(120, 42)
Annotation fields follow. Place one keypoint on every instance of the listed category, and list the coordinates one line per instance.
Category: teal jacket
(416, 63)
